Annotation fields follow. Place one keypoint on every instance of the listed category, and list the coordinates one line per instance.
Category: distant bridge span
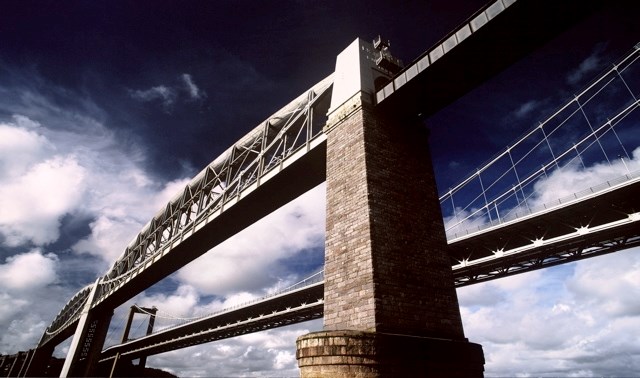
(535, 241)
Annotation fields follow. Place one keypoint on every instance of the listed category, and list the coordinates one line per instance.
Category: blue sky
(107, 109)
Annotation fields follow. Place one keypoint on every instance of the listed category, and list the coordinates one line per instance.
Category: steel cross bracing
(256, 158)
(583, 226)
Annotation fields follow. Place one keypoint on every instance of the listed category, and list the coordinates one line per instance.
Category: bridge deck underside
(520, 29)
(305, 174)
(290, 308)
(580, 229)
(306, 304)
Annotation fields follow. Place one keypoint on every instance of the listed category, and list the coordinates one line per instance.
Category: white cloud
(575, 319)
(526, 109)
(192, 89)
(28, 271)
(573, 178)
(38, 188)
(168, 95)
(587, 67)
(27, 297)
(56, 162)
(20, 146)
(161, 93)
(245, 261)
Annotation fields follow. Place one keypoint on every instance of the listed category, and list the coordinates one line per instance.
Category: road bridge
(611, 228)
(334, 132)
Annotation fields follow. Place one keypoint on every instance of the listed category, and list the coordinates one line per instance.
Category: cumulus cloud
(28, 271)
(39, 186)
(245, 261)
(25, 279)
(20, 146)
(579, 319)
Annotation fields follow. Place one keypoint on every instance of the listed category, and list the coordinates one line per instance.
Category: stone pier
(390, 307)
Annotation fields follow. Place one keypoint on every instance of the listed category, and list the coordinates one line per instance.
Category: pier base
(371, 354)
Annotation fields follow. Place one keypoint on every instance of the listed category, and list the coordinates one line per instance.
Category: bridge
(500, 230)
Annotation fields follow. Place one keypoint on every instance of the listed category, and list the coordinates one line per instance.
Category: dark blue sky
(110, 106)
(250, 58)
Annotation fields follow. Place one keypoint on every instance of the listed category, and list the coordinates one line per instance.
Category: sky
(108, 108)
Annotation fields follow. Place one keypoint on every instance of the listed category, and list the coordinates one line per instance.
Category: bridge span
(296, 148)
(546, 238)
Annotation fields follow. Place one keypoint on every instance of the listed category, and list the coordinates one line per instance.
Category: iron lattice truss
(69, 314)
(259, 155)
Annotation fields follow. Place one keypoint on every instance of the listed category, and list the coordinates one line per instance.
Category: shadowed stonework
(390, 302)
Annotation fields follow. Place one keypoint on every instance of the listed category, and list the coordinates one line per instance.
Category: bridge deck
(498, 35)
(559, 226)
(292, 307)
(590, 226)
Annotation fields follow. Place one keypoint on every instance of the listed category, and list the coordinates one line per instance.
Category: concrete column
(25, 363)
(14, 362)
(39, 361)
(390, 303)
(152, 319)
(88, 340)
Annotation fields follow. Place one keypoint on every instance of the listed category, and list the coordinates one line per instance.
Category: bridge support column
(390, 303)
(39, 362)
(125, 337)
(87, 342)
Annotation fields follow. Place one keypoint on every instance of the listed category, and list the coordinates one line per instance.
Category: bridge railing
(178, 321)
(259, 154)
(586, 132)
(69, 314)
(524, 212)
(243, 165)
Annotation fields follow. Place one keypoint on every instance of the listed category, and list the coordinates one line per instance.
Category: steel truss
(575, 248)
(256, 157)
(68, 316)
(604, 222)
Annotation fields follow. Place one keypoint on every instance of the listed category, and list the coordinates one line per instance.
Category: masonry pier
(390, 304)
